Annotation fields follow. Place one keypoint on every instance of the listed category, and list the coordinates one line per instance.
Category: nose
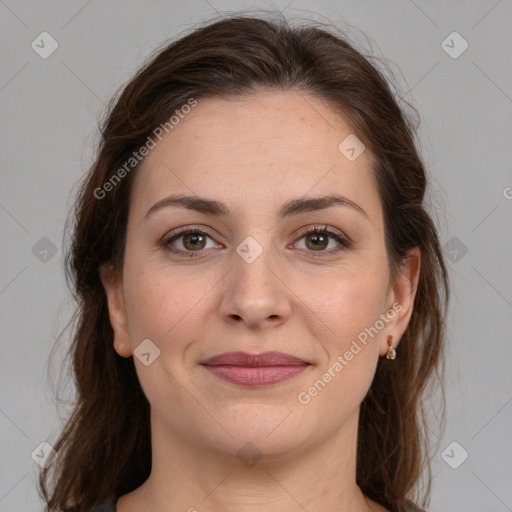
(255, 293)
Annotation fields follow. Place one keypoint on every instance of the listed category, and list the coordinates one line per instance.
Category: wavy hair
(104, 448)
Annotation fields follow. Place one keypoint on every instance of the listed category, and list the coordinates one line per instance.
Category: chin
(270, 430)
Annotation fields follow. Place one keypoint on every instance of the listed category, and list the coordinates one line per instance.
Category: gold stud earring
(391, 353)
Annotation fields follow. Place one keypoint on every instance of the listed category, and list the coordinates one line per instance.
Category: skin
(254, 155)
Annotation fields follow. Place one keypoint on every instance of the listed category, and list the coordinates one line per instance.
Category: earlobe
(116, 309)
(403, 294)
(123, 349)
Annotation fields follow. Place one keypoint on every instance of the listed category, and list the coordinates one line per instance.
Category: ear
(401, 299)
(113, 285)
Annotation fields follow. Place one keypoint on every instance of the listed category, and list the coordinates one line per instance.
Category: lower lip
(256, 376)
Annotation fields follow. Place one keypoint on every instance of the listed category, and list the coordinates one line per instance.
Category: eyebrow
(290, 208)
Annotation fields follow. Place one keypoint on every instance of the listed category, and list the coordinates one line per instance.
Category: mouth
(255, 370)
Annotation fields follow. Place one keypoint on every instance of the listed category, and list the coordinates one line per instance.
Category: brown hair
(104, 448)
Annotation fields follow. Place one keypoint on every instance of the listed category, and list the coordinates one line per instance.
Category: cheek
(344, 314)
(164, 307)
(344, 307)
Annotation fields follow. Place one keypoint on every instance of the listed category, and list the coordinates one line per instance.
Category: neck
(184, 477)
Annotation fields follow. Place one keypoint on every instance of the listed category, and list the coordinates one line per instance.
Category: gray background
(49, 111)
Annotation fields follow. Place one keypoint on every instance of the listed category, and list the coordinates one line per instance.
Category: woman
(262, 294)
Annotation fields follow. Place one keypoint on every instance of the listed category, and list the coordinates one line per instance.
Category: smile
(255, 370)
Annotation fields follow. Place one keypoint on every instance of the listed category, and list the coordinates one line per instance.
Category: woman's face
(255, 282)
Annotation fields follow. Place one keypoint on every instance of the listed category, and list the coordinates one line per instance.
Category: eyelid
(324, 227)
(184, 230)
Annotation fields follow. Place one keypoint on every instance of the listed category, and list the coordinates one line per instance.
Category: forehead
(268, 145)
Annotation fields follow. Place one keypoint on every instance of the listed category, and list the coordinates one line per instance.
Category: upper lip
(245, 359)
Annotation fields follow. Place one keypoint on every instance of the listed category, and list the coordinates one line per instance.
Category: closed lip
(265, 359)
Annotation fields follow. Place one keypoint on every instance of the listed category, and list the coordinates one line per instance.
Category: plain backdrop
(50, 108)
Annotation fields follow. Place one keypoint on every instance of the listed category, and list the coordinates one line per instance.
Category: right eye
(192, 241)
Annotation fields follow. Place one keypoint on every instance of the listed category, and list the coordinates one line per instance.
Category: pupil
(317, 236)
(187, 238)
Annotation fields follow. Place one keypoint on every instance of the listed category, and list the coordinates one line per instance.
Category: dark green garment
(106, 506)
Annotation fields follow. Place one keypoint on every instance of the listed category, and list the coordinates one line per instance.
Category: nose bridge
(255, 291)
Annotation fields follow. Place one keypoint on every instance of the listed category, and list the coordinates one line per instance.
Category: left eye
(316, 240)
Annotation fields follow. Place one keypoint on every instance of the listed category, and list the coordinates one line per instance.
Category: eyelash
(344, 243)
